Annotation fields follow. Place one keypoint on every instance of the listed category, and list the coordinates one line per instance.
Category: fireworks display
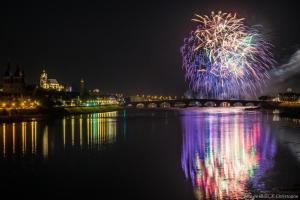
(224, 58)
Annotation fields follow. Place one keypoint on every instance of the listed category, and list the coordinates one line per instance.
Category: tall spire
(82, 87)
(43, 79)
(22, 73)
(7, 72)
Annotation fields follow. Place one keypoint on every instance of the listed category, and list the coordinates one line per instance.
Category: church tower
(14, 83)
(44, 80)
(82, 87)
(7, 79)
(18, 81)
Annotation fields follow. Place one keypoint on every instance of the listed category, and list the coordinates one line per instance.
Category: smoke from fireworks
(286, 75)
(224, 58)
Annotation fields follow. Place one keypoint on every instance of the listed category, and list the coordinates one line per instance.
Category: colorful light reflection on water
(224, 152)
(88, 132)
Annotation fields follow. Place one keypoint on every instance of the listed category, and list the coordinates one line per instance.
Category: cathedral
(14, 83)
(49, 84)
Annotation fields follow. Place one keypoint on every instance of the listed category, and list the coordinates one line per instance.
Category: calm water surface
(192, 153)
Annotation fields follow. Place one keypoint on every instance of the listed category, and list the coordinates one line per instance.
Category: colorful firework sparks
(224, 58)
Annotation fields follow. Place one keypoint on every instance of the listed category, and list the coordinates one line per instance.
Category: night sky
(130, 47)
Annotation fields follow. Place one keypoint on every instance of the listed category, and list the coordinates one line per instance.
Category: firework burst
(224, 58)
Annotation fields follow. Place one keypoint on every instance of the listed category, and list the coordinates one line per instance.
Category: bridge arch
(152, 105)
(210, 104)
(224, 104)
(129, 105)
(250, 104)
(140, 105)
(237, 104)
(258, 104)
(165, 105)
(179, 104)
(194, 104)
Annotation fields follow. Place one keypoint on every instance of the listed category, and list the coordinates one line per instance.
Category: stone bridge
(181, 103)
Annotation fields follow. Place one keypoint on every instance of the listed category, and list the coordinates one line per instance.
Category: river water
(192, 153)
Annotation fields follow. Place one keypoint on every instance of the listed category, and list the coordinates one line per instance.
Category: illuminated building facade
(99, 101)
(49, 84)
(18, 103)
(289, 96)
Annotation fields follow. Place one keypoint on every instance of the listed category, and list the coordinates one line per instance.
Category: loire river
(192, 153)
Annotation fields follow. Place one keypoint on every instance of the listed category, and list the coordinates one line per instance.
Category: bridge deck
(194, 102)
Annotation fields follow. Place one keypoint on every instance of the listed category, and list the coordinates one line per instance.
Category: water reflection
(224, 154)
(83, 132)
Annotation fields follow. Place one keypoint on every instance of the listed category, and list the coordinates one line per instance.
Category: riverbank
(15, 115)
(285, 110)
(289, 109)
(87, 110)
